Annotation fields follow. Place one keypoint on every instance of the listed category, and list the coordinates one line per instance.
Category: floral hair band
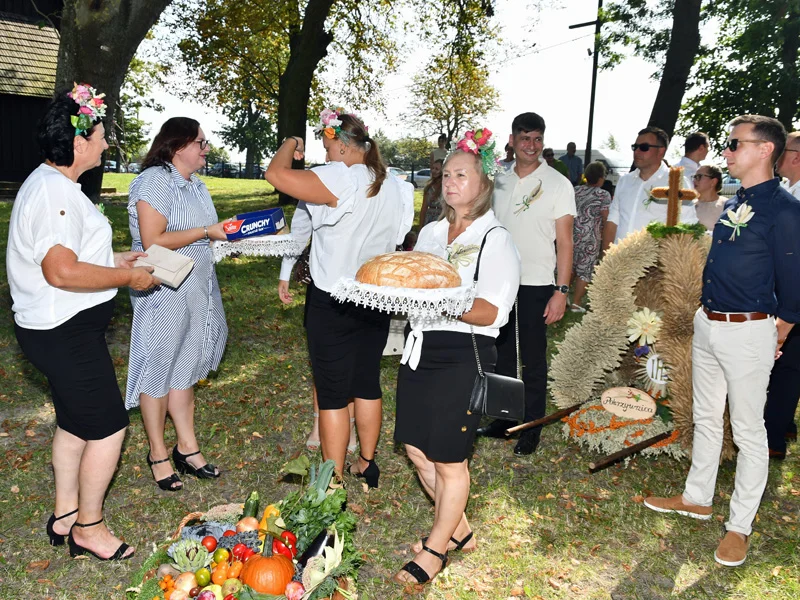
(480, 143)
(330, 124)
(91, 107)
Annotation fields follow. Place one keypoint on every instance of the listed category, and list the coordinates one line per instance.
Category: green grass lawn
(545, 527)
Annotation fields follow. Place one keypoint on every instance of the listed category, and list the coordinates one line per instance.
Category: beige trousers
(732, 360)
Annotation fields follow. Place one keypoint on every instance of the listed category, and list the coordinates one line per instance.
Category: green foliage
(249, 129)
(406, 151)
(217, 154)
(660, 230)
(132, 134)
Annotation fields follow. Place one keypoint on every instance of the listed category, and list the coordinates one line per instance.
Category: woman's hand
(216, 232)
(126, 260)
(142, 279)
(283, 292)
(300, 150)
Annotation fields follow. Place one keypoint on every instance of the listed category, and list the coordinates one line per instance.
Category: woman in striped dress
(178, 335)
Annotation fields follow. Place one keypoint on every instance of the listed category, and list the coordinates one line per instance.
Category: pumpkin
(267, 574)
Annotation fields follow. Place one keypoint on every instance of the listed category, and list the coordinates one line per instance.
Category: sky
(553, 80)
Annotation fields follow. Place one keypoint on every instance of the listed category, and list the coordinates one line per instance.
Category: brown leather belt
(735, 317)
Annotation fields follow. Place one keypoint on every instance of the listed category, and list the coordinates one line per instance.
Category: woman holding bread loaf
(177, 335)
(355, 212)
(439, 366)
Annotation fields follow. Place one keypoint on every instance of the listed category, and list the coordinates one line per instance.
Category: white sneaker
(576, 309)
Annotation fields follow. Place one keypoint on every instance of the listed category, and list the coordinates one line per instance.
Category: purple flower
(641, 351)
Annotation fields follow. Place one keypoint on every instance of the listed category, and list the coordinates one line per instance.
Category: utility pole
(597, 24)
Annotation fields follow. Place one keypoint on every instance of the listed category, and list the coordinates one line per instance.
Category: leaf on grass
(298, 466)
(255, 434)
(554, 583)
(776, 571)
(638, 499)
(6, 434)
(30, 433)
(37, 565)
(549, 496)
(15, 489)
(356, 508)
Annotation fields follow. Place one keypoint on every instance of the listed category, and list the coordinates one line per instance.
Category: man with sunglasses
(695, 149)
(750, 301)
(632, 208)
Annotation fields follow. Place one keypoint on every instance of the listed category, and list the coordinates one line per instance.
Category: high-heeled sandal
(371, 473)
(167, 483)
(57, 539)
(76, 549)
(459, 544)
(418, 572)
(312, 444)
(352, 447)
(207, 471)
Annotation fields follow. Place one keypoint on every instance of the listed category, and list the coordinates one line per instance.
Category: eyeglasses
(733, 144)
(644, 147)
(203, 144)
(548, 155)
(699, 176)
(790, 150)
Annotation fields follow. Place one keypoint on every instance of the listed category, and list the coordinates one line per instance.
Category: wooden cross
(674, 195)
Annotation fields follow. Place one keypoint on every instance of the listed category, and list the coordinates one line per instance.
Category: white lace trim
(264, 245)
(414, 302)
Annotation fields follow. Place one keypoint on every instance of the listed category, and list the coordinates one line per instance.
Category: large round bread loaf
(409, 270)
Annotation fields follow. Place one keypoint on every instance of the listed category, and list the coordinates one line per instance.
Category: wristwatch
(564, 289)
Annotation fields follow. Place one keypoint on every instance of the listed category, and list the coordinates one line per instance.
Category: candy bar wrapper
(261, 222)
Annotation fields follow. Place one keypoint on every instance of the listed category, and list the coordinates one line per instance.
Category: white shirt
(51, 210)
(794, 190)
(529, 208)
(628, 209)
(358, 229)
(498, 278)
(689, 169)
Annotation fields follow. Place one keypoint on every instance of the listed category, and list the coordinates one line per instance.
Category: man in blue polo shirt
(574, 164)
(750, 302)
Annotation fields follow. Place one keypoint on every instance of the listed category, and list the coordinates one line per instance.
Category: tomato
(238, 550)
(247, 554)
(221, 555)
(210, 542)
(203, 577)
(229, 533)
(286, 545)
(229, 597)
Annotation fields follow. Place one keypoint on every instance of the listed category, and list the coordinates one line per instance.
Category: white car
(398, 172)
(421, 177)
(729, 186)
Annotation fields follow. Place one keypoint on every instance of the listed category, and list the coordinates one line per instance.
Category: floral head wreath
(330, 124)
(480, 143)
(91, 107)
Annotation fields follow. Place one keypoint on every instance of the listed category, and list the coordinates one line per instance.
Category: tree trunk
(684, 43)
(306, 49)
(98, 41)
(790, 92)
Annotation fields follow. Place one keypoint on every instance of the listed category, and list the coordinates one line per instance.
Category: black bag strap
(483, 243)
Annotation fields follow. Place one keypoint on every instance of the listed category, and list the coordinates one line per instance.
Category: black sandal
(207, 471)
(371, 473)
(57, 539)
(167, 483)
(418, 572)
(77, 550)
(459, 545)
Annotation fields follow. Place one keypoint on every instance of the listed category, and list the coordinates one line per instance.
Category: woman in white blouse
(356, 211)
(709, 205)
(439, 367)
(63, 276)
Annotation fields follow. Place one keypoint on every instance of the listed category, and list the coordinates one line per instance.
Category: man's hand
(125, 260)
(556, 306)
(142, 279)
(283, 292)
(783, 329)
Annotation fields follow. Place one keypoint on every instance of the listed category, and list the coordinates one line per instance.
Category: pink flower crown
(91, 107)
(330, 124)
(480, 143)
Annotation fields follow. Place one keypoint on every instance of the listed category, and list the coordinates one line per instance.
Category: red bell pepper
(286, 545)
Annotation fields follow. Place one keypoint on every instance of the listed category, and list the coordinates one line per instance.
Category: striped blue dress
(177, 336)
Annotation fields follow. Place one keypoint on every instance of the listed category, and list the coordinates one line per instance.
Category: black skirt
(345, 344)
(432, 400)
(75, 359)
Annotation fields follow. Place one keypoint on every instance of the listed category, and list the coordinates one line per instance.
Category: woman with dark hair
(431, 208)
(63, 276)
(591, 203)
(440, 153)
(178, 335)
(435, 381)
(356, 212)
(709, 205)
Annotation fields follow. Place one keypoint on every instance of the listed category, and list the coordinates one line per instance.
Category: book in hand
(169, 267)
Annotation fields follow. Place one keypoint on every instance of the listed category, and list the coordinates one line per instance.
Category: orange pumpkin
(267, 574)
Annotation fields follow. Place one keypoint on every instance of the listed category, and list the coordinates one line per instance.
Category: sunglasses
(548, 155)
(699, 176)
(645, 147)
(203, 144)
(733, 144)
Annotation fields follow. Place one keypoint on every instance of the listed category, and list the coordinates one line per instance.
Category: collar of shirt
(662, 171)
(793, 189)
(756, 192)
(180, 180)
(47, 167)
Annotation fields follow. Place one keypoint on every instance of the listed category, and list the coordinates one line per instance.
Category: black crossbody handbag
(494, 395)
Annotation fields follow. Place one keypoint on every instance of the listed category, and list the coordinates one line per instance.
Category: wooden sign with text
(628, 403)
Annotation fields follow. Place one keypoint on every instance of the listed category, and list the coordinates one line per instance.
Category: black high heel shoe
(371, 473)
(77, 550)
(57, 539)
(167, 483)
(207, 471)
(421, 575)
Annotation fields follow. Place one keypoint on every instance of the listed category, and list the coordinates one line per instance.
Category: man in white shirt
(537, 205)
(695, 150)
(789, 164)
(632, 208)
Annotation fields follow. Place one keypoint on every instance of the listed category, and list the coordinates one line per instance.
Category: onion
(247, 524)
(185, 582)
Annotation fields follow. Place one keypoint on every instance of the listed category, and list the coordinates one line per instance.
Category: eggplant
(317, 547)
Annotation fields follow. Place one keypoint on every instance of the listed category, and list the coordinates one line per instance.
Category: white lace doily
(264, 245)
(414, 302)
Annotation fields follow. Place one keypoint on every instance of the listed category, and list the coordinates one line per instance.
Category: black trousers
(783, 393)
(532, 301)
